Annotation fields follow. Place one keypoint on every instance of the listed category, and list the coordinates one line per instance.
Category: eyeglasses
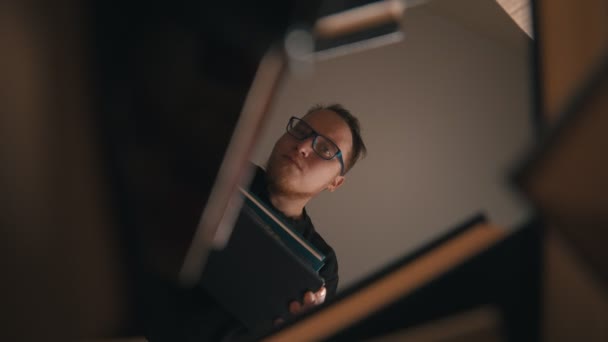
(323, 146)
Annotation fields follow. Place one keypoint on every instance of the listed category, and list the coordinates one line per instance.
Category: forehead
(328, 123)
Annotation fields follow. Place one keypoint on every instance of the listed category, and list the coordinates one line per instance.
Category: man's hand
(310, 300)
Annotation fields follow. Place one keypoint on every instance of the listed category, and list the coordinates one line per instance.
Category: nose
(304, 147)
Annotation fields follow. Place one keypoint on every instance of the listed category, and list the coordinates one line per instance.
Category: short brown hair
(359, 150)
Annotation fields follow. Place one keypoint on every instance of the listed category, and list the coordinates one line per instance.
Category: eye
(324, 149)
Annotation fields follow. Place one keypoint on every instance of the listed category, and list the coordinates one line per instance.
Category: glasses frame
(315, 135)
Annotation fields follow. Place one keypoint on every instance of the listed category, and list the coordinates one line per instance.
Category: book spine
(279, 235)
(288, 241)
(291, 239)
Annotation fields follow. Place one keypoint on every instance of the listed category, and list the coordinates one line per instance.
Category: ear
(335, 183)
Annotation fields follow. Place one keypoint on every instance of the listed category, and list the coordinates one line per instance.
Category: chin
(288, 188)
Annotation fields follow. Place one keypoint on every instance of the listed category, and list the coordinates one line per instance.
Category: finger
(309, 299)
(294, 307)
(321, 294)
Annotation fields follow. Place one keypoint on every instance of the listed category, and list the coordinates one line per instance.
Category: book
(474, 264)
(284, 233)
(264, 266)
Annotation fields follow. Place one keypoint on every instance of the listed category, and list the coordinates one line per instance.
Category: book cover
(257, 275)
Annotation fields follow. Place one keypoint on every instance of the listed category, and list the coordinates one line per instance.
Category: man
(313, 155)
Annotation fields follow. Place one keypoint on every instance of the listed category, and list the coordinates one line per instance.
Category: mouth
(293, 161)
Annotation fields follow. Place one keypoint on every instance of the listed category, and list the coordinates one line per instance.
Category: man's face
(294, 168)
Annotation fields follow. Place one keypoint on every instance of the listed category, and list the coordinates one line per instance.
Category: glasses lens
(298, 128)
(325, 147)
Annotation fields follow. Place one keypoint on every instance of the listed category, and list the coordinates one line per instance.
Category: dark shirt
(329, 272)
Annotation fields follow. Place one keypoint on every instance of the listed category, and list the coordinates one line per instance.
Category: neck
(289, 206)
